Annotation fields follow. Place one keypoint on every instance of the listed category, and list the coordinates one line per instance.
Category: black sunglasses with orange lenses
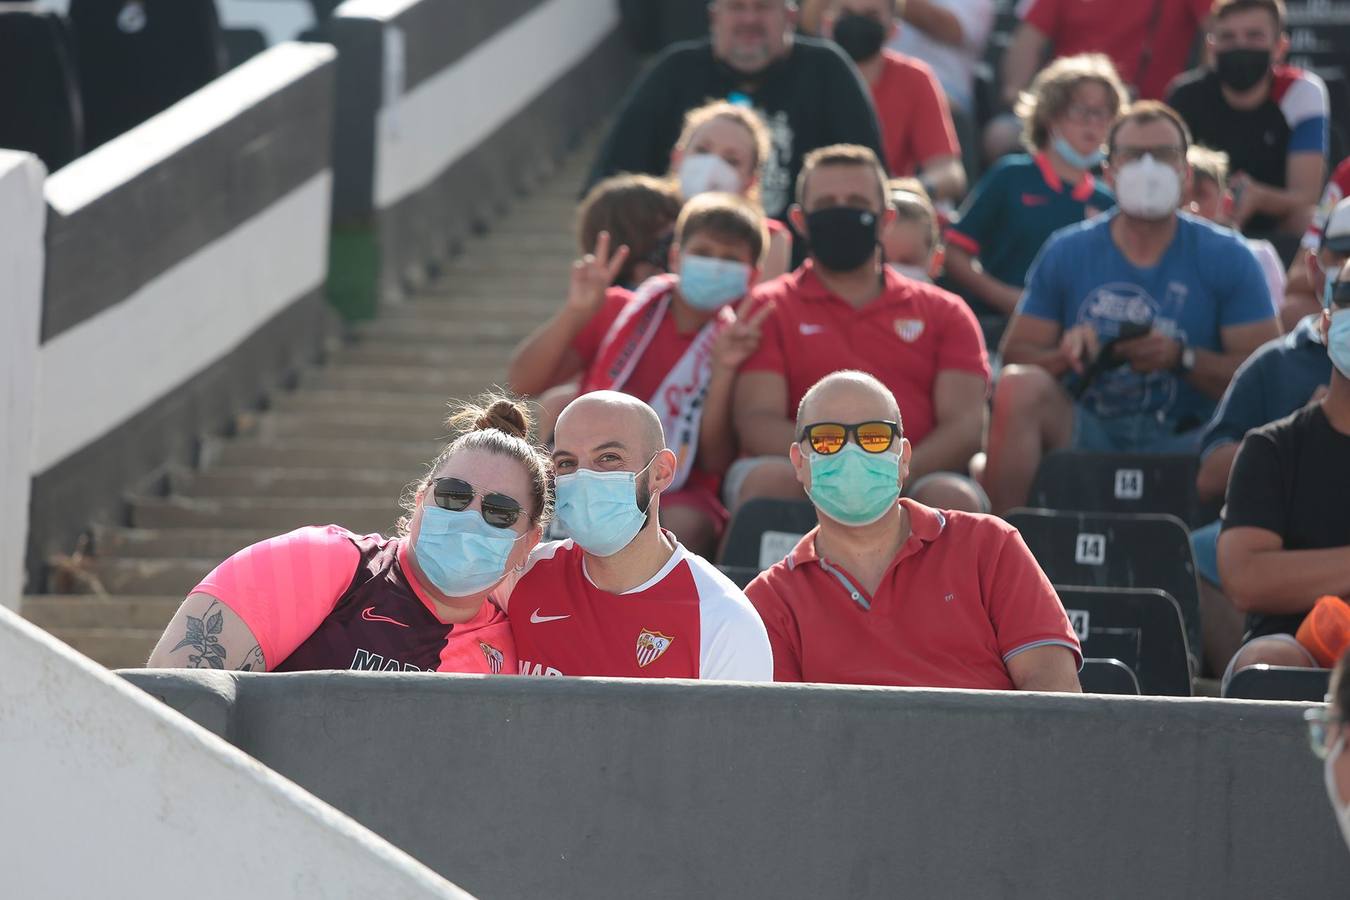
(455, 494)
(827, 438)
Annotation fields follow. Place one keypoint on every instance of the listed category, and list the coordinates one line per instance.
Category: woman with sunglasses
(425, 600)
(1329, 731)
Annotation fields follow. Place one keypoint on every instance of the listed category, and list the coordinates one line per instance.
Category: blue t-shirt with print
(1207, 280)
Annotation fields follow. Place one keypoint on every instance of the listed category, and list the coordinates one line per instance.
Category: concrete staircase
(339, 448)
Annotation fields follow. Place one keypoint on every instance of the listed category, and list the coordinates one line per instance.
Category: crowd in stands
(805, 274)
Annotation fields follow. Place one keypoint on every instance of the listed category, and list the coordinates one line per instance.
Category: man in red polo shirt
(916, 124)
(844, 309)
(898, 593)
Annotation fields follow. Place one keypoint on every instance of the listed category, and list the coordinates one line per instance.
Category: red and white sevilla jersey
(687, 621)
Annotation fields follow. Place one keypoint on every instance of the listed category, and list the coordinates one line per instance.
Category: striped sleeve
(1307, 109)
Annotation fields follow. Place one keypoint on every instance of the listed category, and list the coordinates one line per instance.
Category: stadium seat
(763, 531)
(1116, 550)
(138, 58)
(1139, 628)
(1107, 676)
(1118, 482)
(40, 109)
(740, 575)
(242, 44)
(1279, 683)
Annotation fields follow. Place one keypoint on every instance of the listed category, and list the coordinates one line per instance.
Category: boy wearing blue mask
(676, 343)
(1286, 524)
(622, 597)
(890, 591)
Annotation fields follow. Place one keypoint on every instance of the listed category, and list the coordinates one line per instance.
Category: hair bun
(505, 415)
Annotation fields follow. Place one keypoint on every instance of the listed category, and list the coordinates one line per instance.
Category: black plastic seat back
(763, 531)
(1140, 628)
(1116, 550)
(1107, 676)
(138, 57)
(1279, 683)
(1070, 480)
(40, 109)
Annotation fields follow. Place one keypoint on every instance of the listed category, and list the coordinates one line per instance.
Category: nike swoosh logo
(536, 619)
(369, 615)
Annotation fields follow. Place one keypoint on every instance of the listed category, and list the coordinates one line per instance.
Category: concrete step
(396, 456)
(522, 282)
(348, 425)
(458, 331)
(440, 304)
(451, 383)
(431, 404)
(253, 481)
(115, 648)
(280, 514)
(115, 575)
(488, 355)
(145, 613)
(165, 543)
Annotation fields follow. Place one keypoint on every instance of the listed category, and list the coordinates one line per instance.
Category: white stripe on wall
(449, 114)
(96, 375)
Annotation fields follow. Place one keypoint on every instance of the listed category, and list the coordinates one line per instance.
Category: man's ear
(1281, 49)
(673, 257)
(800, 465)
(662, 473)
(906, 451)
(797, 216)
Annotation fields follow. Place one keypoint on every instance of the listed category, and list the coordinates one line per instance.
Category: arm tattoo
(253, 661)
(203, 635)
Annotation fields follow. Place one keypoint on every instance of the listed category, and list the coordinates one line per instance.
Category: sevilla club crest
(493, 656)
(909, 330)
(651, 645)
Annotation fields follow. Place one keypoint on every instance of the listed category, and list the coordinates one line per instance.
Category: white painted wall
(105, 792)
(23, 219)
(427, 129)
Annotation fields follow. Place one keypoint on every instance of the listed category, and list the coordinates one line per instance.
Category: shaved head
(610, 416)
(849, 397)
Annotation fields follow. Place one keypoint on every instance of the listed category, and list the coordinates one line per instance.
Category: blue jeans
(1135, 433)
(1205, 547)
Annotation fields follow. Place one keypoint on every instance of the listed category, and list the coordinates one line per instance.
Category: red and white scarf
(679, 398)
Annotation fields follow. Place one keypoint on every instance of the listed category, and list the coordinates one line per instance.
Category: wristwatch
(1186, 362)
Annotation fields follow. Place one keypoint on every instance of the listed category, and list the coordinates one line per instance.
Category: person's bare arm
(944, 177)
(966, 272)
(758, 402)
(1293, 204)
(960, 412)
(938, 23)
(1212, 481)
(546, 359)
(206, 634)
(1300, 298)
(1042, 342)
(716, 436)
(1050, 668)
(1260, 576)
(1022, 60)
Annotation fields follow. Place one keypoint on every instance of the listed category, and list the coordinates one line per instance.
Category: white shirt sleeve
(734, 645)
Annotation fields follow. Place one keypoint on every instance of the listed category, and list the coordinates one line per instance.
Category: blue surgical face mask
(1074, 158)
(460, 553)
(600, 509)
(709, 284)
(855, 487)
(1338, 341)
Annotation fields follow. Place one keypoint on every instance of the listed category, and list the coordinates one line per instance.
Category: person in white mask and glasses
(1131, 324)
(1328, 730)
(621, 597)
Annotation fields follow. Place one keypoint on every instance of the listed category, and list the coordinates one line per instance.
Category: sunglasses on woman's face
(827, 438)
(455, 494)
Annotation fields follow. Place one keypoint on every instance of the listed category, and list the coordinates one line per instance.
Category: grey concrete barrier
(589, 788)
(185, 266)
(447, 110)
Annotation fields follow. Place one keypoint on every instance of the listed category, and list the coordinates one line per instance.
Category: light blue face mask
(1078, 160)
(460, 553)
(1338, 341)
(709, 284)
(599, 509)
(855, 487)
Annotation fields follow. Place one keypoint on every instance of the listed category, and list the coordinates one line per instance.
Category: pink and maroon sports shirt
(323, 597)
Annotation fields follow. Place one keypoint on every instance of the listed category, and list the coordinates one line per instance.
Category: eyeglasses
(827, 438)
(455, 494)
(1084, 115)
(1171, 155)
(1321, 724)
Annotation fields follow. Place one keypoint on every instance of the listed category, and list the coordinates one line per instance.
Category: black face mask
(860, 37)
(841, 238)
(1242, 69)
